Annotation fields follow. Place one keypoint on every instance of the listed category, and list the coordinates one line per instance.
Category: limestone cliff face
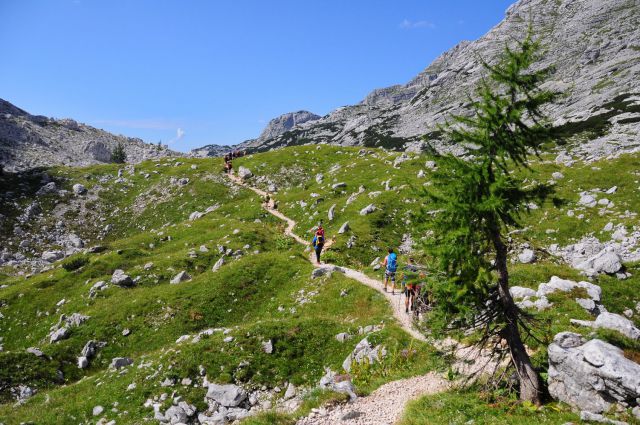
(594, 46)
(28, 141)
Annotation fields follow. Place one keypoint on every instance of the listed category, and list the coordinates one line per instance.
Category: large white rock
(228, 395)
(180, 277)
(587, 200)
(591, 376)
(527, 256)
(244, 173)
(120, 278)
(618, 323)
(368, 209)
(79, 189)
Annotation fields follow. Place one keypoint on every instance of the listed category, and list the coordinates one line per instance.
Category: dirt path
(396, 301)
(386, 404)
(383, 407)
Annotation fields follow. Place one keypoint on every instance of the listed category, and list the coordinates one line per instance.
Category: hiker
(390, 265)
(411, 276)
(266, 200)
(318, 242)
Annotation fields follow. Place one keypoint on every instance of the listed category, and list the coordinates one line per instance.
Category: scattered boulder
(180, 277)
(364, 351)
(120, 362)
(267, 347)
(587, 200)
(527, 256)
(120, 278)
(52, 256)
(228, 395)
(79, 189)
(592, 375)
(218, 264)
(368, 209)
(244, 173)
(338, 185)
(59, 334)
(332, 212)
(344, 228)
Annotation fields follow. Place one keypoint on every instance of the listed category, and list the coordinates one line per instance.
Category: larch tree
(476, 198)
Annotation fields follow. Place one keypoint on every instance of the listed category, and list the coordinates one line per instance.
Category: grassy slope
(245, 294)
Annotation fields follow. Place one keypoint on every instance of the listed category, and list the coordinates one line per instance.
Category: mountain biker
(390, 264)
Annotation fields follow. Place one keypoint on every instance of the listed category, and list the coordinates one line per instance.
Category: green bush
(74, 263)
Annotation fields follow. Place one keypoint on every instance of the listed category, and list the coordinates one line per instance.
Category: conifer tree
(119, 155)
(476, 198)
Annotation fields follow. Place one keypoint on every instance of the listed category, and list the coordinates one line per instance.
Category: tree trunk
(527, 376)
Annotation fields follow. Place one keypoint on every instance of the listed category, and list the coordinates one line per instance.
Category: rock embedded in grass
(120, 362)
(227, 395)
(120, 278)
(180, 277)
(368, 209)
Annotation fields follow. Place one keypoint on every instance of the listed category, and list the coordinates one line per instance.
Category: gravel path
(396, 301)
(383, 407)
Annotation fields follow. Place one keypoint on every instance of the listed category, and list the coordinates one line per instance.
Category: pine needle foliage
(476, 198)
(119, 155)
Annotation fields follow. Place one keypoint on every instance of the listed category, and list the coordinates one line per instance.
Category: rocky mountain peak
(29, 141)
(286, 122)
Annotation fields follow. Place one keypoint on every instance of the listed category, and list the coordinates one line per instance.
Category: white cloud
(408, 24)
(179, 135)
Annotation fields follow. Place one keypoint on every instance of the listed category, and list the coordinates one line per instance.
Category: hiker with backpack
(390, 265)
(411, 277)
(318, 242)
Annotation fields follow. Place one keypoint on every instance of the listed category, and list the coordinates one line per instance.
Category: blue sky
(192, 72)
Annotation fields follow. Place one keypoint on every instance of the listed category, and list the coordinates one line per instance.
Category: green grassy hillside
(264, 291)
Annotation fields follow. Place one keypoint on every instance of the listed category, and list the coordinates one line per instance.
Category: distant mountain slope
(274, 128)
(28, 141)
(594, 45)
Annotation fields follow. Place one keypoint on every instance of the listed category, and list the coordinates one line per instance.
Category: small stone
(180, 277)
(97, 410)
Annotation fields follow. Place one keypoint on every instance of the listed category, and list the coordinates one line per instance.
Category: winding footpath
(386, 404)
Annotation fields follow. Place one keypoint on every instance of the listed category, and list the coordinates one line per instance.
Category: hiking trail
(386, 404)
(394, 300)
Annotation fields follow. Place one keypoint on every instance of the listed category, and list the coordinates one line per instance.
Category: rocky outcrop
(286, 122)
(30, 141)
(600, 37)
(592, 375)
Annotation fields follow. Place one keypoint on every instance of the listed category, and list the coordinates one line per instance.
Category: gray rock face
(591, 376)
(228, 395)
(398, 115)
(286, 122)
(30, 141)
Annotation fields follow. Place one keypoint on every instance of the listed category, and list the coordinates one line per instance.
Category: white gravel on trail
(384, 406)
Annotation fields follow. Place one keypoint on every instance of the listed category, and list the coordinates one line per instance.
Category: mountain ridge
(594, 46)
